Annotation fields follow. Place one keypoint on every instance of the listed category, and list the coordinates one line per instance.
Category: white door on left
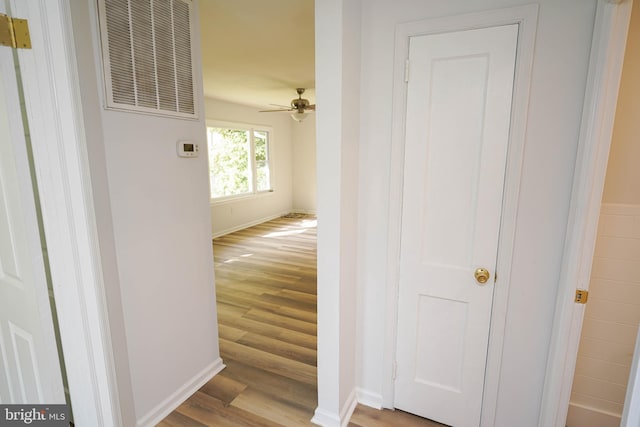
(30, 370)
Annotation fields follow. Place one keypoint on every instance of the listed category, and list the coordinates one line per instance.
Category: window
(238, 161)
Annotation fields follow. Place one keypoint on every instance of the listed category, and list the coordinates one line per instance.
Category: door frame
(603, 80)
(54, 112)
(526, 17)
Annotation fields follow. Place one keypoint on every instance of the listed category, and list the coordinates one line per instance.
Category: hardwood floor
(266, 299)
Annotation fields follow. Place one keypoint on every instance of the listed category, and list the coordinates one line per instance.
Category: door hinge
(14, 32)
(406, 71)
(581, 296)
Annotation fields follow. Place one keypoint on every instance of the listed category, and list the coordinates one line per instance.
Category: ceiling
(256, 52)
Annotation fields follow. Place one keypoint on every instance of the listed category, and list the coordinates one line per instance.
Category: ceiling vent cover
(148, 56)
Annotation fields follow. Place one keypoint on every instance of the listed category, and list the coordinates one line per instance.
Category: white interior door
(30, 370)
(457, 133)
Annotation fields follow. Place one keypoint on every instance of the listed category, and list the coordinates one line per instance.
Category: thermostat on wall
(187, 149)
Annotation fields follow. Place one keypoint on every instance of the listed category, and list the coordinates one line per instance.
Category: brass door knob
(482, 275)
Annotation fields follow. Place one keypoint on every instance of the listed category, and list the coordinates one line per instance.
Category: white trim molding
(246, 225)
(54, 112)
(304, 211)
(526, 17)
(176, 399)
(348, 408)
(631, 413)
(327, 419)
(603, 80)
(369, 398)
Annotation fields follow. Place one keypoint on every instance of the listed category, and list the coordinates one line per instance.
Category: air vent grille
(148, 58)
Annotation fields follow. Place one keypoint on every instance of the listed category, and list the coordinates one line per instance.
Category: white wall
(155, 243)
(350, 146)
(557, 88)
(235, 214)
(304, 165)
(337, 88)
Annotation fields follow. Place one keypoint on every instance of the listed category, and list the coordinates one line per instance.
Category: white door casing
(54, 111)
(457, 132)
(596, 128)
(29, 364)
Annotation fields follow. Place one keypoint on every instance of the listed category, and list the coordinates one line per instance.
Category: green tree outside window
(238, 161)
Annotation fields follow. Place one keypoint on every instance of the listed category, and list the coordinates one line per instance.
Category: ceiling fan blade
(298, 105)
(275, 111)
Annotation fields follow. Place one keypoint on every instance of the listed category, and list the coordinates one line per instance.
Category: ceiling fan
(298, 107)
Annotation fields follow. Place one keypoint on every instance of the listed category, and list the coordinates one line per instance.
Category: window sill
(240, 198)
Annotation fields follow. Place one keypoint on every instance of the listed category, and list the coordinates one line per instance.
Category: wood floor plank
(176, 419)
(297, 338)
(283, 334)
(206, 410)
(269, 362)
(252, 287)
(230, 333)
(231, 310)
(284, 302)
(211, 412)
(223, 388)
(298, 296)
(282, 321)
(364, 416)
(279, 348)
(298, 314)
(269, 407)
(244, 300)
(294, 392)
(247, 274)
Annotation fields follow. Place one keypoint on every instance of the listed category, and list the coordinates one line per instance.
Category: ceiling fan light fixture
(299, 109)
(298, 116)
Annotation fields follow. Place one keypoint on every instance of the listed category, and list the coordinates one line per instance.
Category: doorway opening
(264, 256)
(611, 317)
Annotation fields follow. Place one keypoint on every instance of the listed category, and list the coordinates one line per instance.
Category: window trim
(251, 127)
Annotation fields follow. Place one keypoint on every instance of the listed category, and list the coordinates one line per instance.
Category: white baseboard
(325, 418)
(349, 407)
(331, 419)
(368, 398)
(247, 225)
(158, 413)
(304, 211)
(584, 416)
